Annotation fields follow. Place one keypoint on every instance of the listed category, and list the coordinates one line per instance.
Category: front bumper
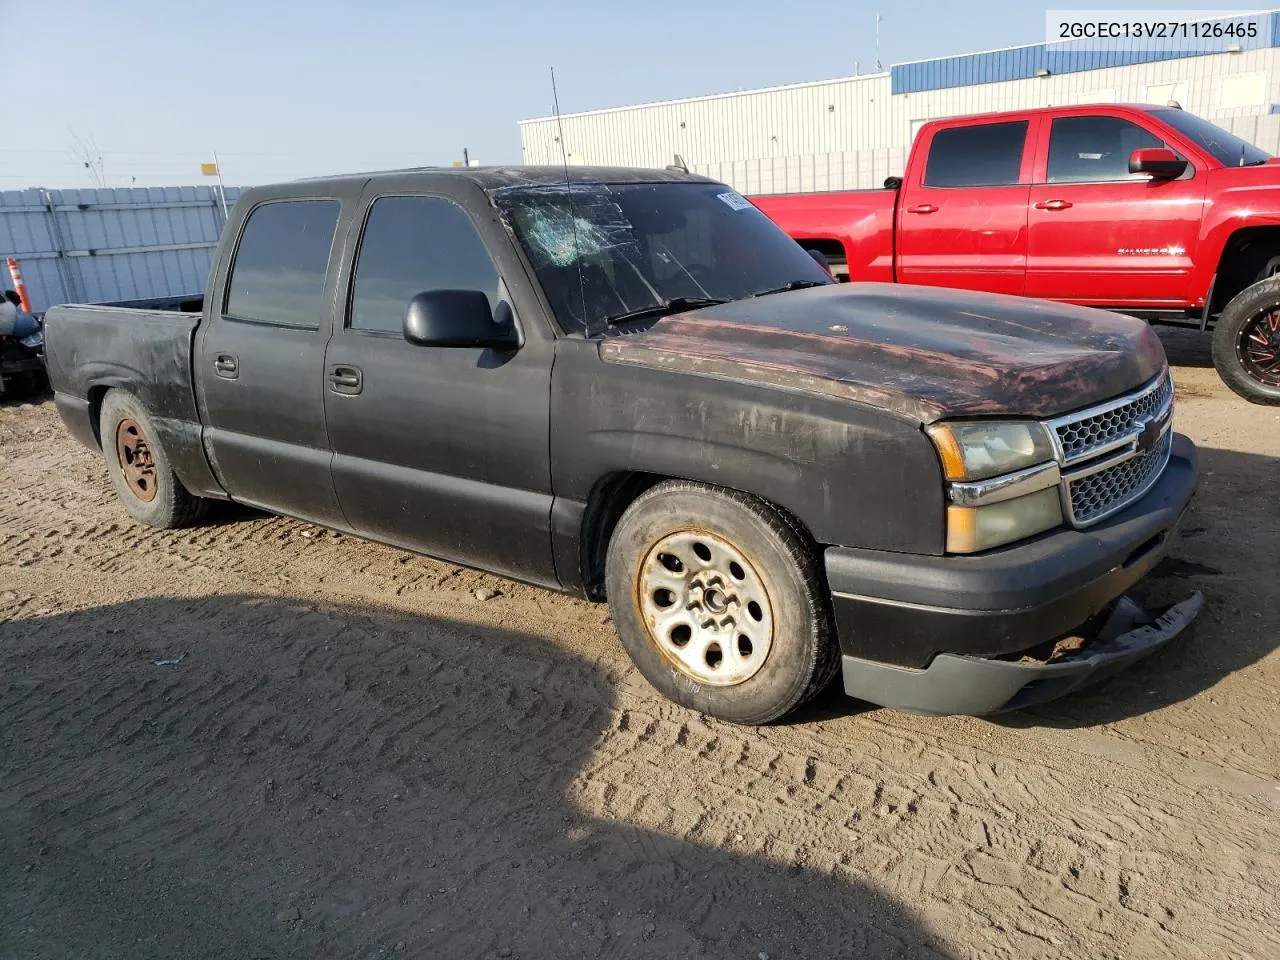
(923, 633)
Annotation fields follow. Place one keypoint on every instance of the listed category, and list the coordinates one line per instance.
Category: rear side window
(278, 274)
(1095, 149)
(988, 155)
(412, 245)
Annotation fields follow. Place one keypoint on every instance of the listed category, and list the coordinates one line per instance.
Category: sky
(146, 90)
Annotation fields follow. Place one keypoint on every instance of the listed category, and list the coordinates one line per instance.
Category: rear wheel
(139, 468)
(1246, 343)
(720, 603)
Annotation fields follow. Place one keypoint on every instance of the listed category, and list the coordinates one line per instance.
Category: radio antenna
(573, 212)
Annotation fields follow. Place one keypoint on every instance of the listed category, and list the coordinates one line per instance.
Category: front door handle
(226, 366)
(1053, 204)
(348, 381)
(922, 208)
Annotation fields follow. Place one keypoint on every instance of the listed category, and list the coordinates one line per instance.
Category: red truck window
(986, 155)
(1095, 149)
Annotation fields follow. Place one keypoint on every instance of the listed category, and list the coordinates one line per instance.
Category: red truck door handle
(922, 208)
(1053, 204)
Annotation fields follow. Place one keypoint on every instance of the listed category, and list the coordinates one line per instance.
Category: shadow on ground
(1187, 347)
(18, 397)
(1228, 539)
(314, 781)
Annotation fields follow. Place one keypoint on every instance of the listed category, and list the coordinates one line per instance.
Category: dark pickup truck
(632, 385)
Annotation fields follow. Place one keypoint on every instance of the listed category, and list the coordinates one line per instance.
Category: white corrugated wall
(852, 133)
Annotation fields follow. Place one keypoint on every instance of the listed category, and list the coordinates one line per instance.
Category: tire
(169, 504)
(750, 553)
(1230, 357)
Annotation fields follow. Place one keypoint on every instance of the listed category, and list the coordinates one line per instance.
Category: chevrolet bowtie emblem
(1152, 431)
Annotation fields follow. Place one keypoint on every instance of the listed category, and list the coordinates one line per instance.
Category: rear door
(443, 450)
(260, 357)
(1100, 235)
(963, 217)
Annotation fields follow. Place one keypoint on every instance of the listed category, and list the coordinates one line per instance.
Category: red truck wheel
(1246, 343)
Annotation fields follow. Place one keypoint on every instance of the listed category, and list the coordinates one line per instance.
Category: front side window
(602, 251)
(985, 155)
(1095, 149)
(281, 261)
(414, 245)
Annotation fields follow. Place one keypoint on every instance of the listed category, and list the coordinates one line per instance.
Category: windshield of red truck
(609, 251)
(1226, 148)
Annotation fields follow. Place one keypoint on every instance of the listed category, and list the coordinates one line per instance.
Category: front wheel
(720, 603)
(1246, 343)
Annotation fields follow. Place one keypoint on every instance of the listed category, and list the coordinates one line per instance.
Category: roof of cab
(495, 178)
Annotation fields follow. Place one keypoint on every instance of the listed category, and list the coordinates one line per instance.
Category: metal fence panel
(112, 244)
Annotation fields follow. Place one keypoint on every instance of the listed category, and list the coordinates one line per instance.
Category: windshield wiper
(665, 308)
(793, 285)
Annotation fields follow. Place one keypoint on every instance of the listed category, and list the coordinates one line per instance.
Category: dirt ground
(258, 739)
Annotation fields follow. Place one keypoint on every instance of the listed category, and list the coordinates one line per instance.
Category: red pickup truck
(1149, 211)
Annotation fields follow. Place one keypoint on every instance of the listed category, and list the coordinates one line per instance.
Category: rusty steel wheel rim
(136, 464)
(706, 607)
(1259, 347)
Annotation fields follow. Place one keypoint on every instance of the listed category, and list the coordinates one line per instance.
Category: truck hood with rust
(921, 352)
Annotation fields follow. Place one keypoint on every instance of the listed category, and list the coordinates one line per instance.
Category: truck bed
(89, 349)
(852, 229)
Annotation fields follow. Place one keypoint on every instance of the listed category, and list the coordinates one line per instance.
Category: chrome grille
(1091, 431)
(1096, 494)
(1109, 455)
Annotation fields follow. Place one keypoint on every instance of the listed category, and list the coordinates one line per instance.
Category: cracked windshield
(606, 253)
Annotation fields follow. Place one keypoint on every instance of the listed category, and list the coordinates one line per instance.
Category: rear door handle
(922, 208)
(348, 381)
(1053, 204)
(226, 366)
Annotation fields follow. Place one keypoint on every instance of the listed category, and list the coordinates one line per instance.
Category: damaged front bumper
(948, 634)
(954, 684)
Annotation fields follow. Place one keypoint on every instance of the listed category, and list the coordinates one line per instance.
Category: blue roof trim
(1021, 63)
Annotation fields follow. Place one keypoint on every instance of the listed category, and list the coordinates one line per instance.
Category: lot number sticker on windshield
(735, 201)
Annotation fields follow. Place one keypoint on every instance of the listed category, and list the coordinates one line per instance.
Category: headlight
(1002, 482)
(987, 448)
(970, 529)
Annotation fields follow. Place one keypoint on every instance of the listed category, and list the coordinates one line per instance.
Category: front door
(963, 216)
(259, 362)
(442, 450)
(1102, 236)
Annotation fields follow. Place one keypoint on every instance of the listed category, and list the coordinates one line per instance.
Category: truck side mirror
(820, 259)
(1160, 163)
(457, 318)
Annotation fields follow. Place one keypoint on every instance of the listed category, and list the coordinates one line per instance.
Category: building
(851, 133)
